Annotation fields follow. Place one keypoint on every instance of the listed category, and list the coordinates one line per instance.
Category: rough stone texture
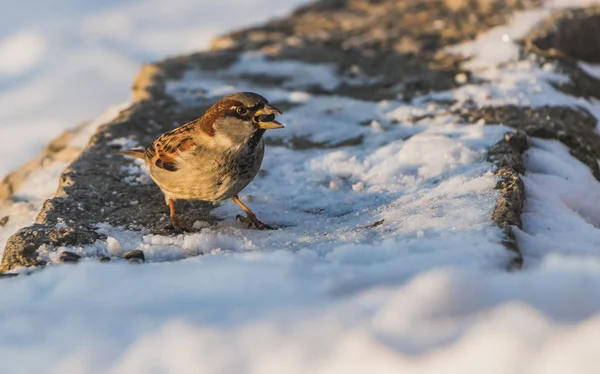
(574, 127)
(571, 34)
(399, 42)
(26, 242)
(506, 154)
(567, 37)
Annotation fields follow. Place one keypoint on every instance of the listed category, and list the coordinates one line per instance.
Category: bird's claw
(253, 221)
(244, 220)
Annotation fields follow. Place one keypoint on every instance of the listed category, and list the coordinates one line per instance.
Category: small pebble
(69, 257)
(113, 246)
(358, 187)
(135, 257)
(376, 126)
(200, 225)
(461, 78)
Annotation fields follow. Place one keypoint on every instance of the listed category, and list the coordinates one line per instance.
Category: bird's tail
(136, 153)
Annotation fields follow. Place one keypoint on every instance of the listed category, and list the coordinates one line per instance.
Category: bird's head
(240, 117)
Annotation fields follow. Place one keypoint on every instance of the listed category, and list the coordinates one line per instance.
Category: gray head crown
(249, 99)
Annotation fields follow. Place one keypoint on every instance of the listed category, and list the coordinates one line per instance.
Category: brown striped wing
(164, 152)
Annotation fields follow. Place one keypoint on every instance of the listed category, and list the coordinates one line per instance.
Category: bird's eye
(241, 110)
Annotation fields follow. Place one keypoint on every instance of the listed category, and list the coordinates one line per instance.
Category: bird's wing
(166, 151)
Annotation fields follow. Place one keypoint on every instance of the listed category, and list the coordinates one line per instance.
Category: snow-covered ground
(62, 62)
(385, 260)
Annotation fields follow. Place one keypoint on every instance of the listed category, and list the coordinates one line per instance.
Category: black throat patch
(253, 142)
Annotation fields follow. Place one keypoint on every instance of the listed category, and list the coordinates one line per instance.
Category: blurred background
(62, 62)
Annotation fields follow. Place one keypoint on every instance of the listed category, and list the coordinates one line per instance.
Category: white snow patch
(592, 69)
(562, 211)
(509, 80)
(124, 143)
(21, 52)
(496, 46)
(444, 319)
(298, 74)
(138, 173)
(28, 199)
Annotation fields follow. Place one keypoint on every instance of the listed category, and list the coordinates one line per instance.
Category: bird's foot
(251, 220)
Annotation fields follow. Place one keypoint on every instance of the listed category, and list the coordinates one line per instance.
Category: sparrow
(214, 157)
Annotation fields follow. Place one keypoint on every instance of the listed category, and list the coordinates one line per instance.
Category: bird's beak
(265, 118)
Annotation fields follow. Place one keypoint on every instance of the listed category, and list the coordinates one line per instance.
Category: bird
(214, 157)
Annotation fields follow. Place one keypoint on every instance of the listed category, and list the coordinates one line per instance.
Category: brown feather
(164, 152)
(221, 108)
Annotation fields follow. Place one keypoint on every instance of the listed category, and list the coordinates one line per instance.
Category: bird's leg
(250, 218)
(176, 225)
(172, 215)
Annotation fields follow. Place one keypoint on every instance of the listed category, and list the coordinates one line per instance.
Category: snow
(497, 45)
(564, 201)
(384, 259)
(297, 73)
(592, 69)
(63, 62)
(21, 52)
(106, 318)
